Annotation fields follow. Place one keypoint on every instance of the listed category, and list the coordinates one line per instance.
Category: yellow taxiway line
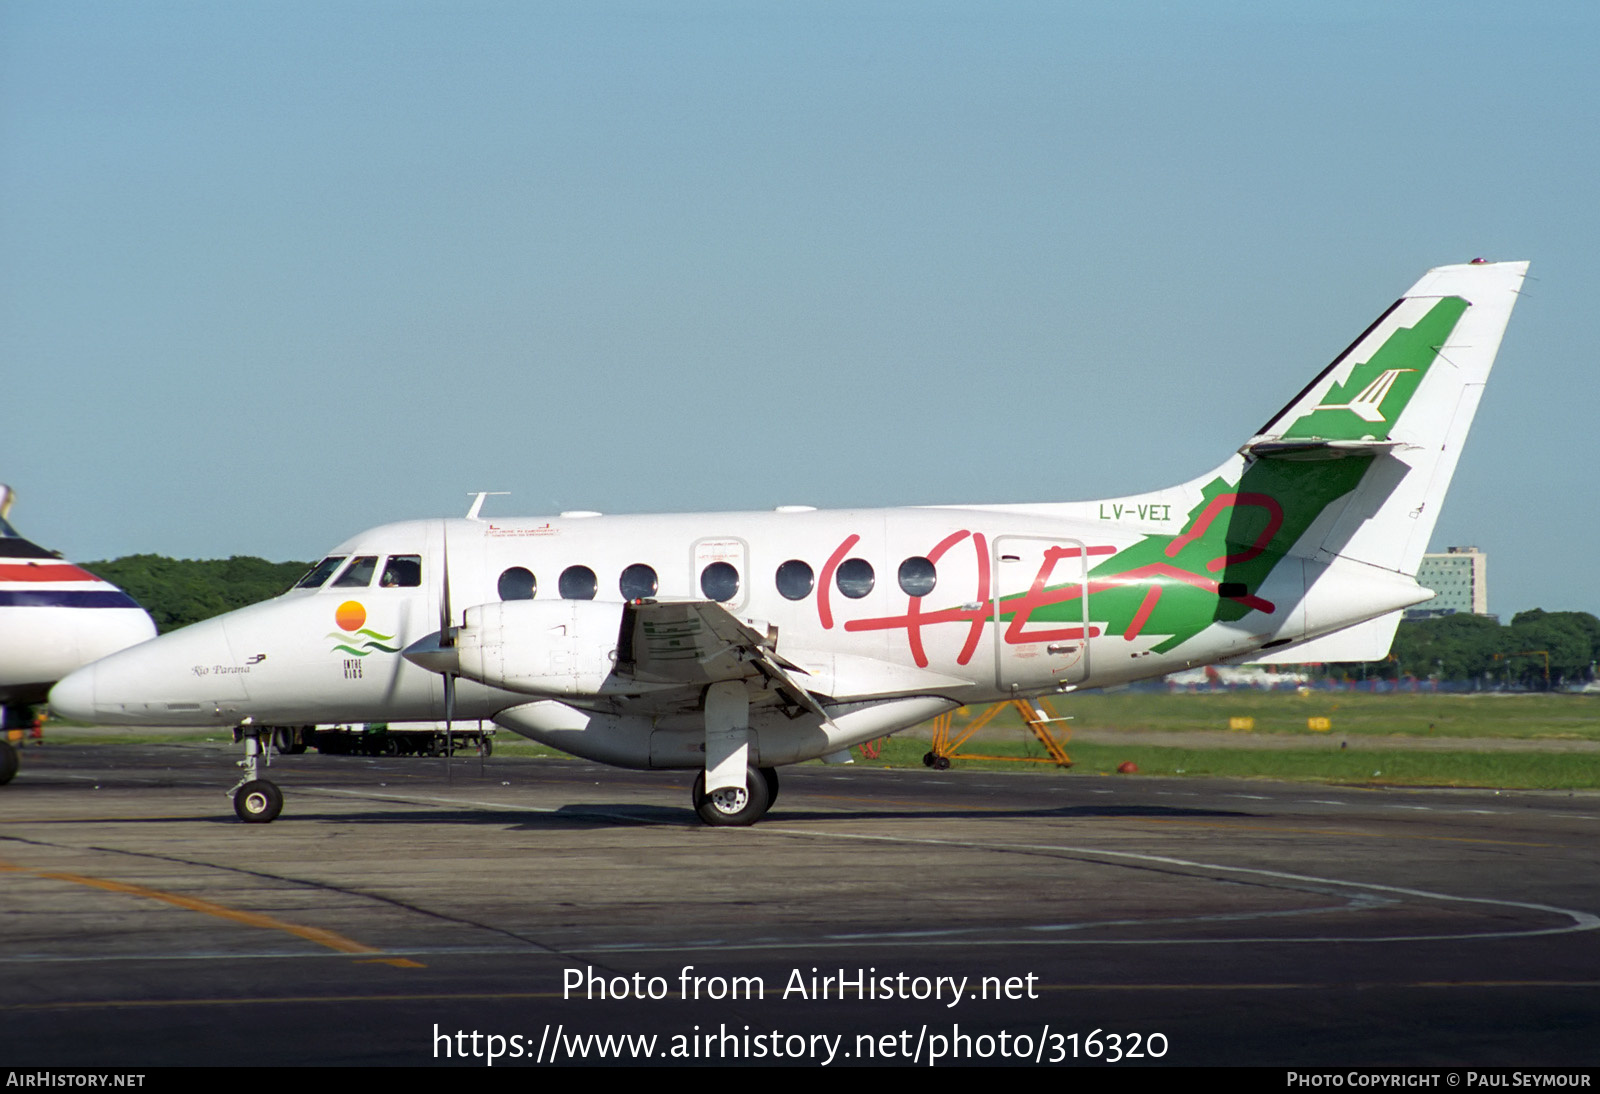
(331, 939)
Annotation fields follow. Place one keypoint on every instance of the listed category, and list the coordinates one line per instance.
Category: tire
(8, 762)
(771, 775)
(732, 808)
(258, 802)
(486, 747)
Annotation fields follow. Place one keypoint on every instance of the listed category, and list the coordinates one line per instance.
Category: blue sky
(273, 273)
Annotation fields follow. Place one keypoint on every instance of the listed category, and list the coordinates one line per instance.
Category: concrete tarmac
(538, 911)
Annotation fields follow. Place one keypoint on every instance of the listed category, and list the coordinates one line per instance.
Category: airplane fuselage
(956, 605)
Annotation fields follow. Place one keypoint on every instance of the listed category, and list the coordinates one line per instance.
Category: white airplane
(54, 618)
(734, 643)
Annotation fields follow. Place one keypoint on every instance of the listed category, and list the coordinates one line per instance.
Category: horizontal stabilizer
(1316, 449)
(1369, 641)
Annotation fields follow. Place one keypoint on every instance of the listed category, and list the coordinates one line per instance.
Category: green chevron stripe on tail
(1235, 535)
(1367, 404)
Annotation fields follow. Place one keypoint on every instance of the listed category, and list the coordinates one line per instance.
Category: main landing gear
(255, 800)
(736, 806)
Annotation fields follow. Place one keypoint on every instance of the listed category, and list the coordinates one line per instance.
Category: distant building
(1460, 577)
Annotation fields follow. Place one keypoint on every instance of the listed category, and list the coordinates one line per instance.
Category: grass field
(1186, 728)
(1279, 746)
(1499, 770)
(1419, 714)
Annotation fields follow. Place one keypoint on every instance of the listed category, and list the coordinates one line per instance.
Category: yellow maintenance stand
(948, 737)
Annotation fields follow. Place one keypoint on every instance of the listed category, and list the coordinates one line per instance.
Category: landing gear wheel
(771, 775)
(732, 806)
(941, 763)
(485, 747)
(258, 802)
(8, 762)
(928, 759)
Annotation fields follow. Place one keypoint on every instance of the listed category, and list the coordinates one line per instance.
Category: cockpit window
(358, 575)
(320, 573)
(402, 572)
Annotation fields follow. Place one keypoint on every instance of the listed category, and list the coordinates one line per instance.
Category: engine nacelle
(541, 647)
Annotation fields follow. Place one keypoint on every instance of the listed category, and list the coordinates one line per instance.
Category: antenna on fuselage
(477, 501)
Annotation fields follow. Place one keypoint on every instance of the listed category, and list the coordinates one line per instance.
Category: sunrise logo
(352, 619)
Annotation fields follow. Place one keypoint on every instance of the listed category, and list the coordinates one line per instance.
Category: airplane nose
(182, 678)
(73, 696)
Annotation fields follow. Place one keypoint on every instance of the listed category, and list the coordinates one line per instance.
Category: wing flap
(701, 642)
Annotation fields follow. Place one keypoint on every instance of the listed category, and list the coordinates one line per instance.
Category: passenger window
(720, 582)
(795, 580)
(917, 577)
(854, 578)
(320, 573)
(577, 583)
(359, 573)
(517, 584)
(638, 582)
(402, 572)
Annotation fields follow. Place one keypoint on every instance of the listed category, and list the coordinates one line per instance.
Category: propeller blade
(449, 725)
(444, 655)
(447, 635)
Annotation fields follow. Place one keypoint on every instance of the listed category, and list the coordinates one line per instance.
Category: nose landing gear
(258, 801)
(255, 800)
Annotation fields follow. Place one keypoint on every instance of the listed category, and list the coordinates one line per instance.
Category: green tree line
(180, 591)
(1478, 648)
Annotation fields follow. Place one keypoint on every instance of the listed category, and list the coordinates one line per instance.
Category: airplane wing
(701, 642)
